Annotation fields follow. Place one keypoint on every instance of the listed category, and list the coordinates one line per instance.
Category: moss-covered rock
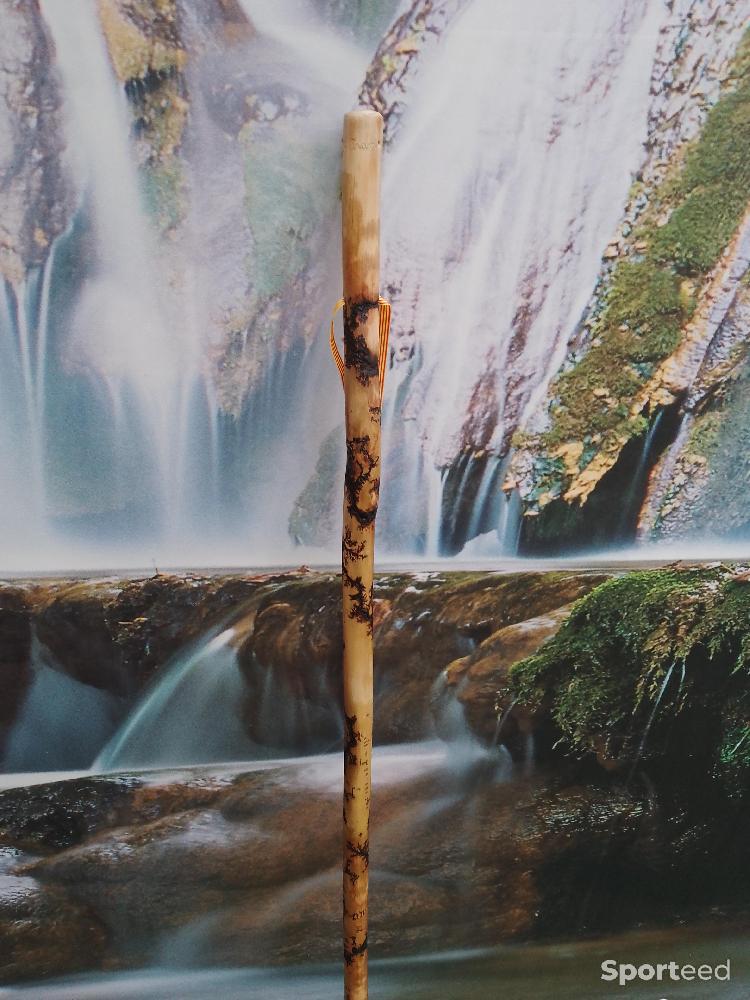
(646, 671)
(476, 680)
(292, 657)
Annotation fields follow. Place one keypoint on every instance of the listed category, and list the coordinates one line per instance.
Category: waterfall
(505, 182)
(117, 436)
(120, 335)
(191, 714)
(502, 187)
(661, 478)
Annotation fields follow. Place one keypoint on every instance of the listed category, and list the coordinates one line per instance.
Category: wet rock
(480, 682)
(45, 933)
(462, 858)
(59, 814)
(293, 655)
(303, 923)
(292, 667)
(36, 198)
(142, 37)
(699, 487)
(435, 622)
(15, 655)
(114, 634)
(397, 56)
(465, 852)
(316, 516)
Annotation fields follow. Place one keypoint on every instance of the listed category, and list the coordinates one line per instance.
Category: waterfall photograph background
(561, 617)
(170, 256)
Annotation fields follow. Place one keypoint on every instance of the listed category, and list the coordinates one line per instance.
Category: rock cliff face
(663, 334)
(35, 192)
(396, 61)
(147, 54)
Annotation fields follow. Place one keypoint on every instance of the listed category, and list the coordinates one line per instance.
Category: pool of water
(550, 972)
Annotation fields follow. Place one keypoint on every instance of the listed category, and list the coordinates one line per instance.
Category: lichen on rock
(142, 37)
(35, 190)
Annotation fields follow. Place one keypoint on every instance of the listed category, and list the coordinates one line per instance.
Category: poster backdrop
(565, 239)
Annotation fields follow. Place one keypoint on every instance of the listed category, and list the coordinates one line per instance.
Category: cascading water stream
(24, 321)
(119, 332)
(190, 715)
(500, 193)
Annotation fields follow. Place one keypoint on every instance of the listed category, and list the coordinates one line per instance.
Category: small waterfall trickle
(661, 477)
(191, 713)
(474, 517)
(652, 716)
(24, 361)
(638, 480)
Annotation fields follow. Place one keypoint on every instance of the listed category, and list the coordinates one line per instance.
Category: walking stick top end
(364, 128)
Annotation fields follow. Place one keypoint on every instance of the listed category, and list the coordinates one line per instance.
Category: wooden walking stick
(366, 323)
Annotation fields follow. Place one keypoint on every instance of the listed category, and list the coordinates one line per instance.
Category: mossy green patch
(711, 192)
(704, 434)
(641, 323)
(647, 666)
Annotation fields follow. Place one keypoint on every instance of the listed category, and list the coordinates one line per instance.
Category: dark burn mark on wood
(352, 549)
(351, 875)
(361, 598)
(352, 853)
(352, 738)
(360, 464)
(357, 354)
(354, 950)
(362, 852)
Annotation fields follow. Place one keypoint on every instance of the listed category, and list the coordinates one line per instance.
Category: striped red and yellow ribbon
(385, 328)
